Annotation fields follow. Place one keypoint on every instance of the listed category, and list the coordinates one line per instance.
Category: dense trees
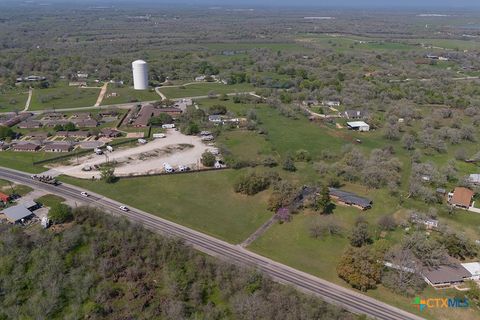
(253, 182)
(104, 267)
(360, 234)
(60, 213)
(360, 268)
(162, 118)
(6, 133)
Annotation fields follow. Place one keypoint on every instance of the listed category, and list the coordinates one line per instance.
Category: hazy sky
(320, 3)
(317, 3)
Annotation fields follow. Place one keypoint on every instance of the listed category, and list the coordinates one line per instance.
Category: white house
(474, 178)
(332, 103)
(358, 126)
(473, 268)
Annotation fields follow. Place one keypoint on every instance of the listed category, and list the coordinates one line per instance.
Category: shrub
(208, 159)
(60, 213)
(289, 165)
(252, 183)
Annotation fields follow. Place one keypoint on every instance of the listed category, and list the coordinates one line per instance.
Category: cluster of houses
(59, 140)
(140, 117)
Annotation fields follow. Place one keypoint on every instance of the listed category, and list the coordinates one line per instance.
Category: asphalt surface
(332, 293)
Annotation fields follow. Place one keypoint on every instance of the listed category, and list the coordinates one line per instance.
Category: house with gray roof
(445, 276)
(350, 199)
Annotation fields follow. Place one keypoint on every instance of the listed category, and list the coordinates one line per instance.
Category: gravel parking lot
(176, 149)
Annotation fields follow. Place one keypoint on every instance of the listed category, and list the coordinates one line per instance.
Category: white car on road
(123, 208)
(83, 193)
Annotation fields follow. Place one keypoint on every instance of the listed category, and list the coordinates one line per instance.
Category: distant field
(127, 94)
(343, 43)
(63, 97)
(203, 201)
(453, 44)
(253, 45)
(202, 89)
(13, 100)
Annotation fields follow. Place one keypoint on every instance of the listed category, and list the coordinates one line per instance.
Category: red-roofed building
(462, 197)
(4, 198)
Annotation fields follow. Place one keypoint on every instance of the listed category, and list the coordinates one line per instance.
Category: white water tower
(140, 75)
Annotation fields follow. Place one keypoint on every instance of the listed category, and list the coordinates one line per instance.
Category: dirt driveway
(176, 149)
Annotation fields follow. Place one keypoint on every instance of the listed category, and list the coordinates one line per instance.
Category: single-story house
(17, 213)
(148, 111)
(474, 178)
(37, 135)
(85, 123)
(474, 269)
(215, 118)
(183, 104)
(16, 120)
(428, 222)
(461, 197)
(53, 123)
(332, 103)
(32, 147)
(5, 198)
(58, 147)
(73, 134)
(30, 124)
(110, 133)
(81, 115)
(358, 126)
(350, 199)
(355, 114)
(446, 275)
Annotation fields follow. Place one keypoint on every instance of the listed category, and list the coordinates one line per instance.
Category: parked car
(183, 168)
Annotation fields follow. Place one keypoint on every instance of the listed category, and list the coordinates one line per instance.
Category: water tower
(140, 75)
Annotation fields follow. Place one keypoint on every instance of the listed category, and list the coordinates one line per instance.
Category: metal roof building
(16, 213)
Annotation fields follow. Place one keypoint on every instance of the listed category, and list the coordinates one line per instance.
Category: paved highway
(349, 299)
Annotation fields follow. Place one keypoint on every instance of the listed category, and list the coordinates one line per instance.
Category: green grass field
(349, 43)
(239, 46)
(49, 200)
(203, 201)
(287, 135)
(23, 161)
(63, 97)
(127, 94)
(13, 100)
(203, 88)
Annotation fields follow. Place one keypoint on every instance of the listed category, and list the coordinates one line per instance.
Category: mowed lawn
(287, 135)
(203, 201)
(63, 97)
(13, 100)
(128, 94)
(23, 161)
(49, 200)
(203, 89)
